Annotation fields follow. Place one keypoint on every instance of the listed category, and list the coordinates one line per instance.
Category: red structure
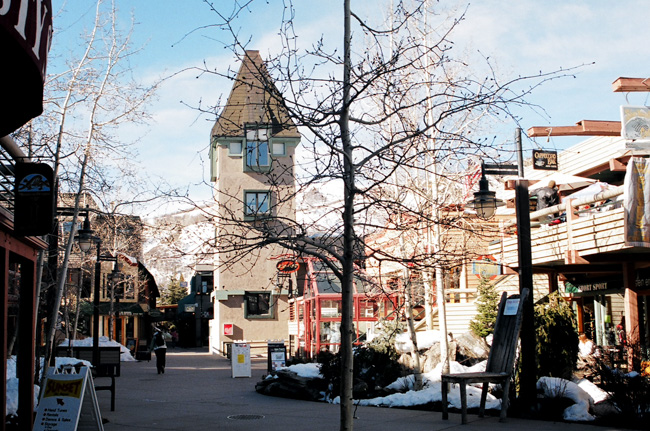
(316, 308)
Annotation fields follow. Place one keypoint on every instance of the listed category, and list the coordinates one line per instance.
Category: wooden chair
(500, 361)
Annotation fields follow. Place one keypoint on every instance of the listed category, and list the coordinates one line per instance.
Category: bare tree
(369, 117)
(82, 109)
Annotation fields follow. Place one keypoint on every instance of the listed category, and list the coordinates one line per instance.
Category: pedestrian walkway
(197, 392)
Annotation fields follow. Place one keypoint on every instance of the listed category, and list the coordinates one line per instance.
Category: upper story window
(258, 305)
(278, 149)
(257, 148)
(257, 203)
(235, 149)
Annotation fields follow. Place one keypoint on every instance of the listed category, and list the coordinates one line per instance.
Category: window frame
(278, 154)
(270, 314)
(257, 147)
(252, 215)
(234, 153)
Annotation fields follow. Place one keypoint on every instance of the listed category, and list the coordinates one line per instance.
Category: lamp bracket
(500, 169)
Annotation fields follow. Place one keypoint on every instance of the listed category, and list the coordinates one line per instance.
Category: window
(278, 149)
(235, 149)
(257, 203)
(257, 148)
(258, 305)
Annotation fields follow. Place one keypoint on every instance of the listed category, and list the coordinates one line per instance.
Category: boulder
(288, 384)
(471, 349)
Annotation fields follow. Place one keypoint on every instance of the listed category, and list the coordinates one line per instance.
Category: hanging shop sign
(486, 266)
(287, 266)
(34, 199)
(545, 160)
(25, 36)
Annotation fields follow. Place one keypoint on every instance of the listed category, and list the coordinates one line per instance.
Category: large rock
(288, 384)
(471, 349)
(429, 358)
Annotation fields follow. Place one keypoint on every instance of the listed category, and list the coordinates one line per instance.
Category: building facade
(586, 252)
(252, 167)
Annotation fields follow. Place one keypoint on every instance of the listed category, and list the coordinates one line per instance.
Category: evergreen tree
(487, 305)
(557, 337)
(173, 292)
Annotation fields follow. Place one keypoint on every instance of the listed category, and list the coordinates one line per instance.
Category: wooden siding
(458, 317)
(595, 233)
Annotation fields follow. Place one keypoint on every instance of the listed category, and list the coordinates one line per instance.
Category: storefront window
(368, 309)
(330, 336)
(330, 308)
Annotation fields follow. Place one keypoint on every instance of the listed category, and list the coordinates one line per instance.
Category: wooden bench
(108, 366)
(500, 361)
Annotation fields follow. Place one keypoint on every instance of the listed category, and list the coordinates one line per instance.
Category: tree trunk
(347, 297)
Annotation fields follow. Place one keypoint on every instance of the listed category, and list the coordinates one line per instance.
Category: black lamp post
(85, 239)
(485, 204)
(115, 278)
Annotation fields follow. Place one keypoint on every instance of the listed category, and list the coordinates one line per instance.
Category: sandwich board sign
(68, 402)
(241, 359)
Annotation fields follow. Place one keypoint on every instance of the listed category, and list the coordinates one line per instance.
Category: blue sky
(520, 38)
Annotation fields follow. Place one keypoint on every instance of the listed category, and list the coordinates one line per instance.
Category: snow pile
(596, 394)
(125, 353)
(311, 370)
(425, 340)
(554, 387)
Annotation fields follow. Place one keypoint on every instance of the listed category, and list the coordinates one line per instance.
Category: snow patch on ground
(12, 381)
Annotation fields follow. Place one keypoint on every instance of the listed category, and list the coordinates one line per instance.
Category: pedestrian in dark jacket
(159, 347)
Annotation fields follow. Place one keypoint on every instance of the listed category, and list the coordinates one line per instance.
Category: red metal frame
(318, 312)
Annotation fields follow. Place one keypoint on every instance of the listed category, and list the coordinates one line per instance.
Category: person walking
(159, 347)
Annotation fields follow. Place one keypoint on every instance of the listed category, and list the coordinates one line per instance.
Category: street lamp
(115, 278)
(485, 204)
(85, 239)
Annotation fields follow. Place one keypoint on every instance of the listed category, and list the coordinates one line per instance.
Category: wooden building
(585, 254)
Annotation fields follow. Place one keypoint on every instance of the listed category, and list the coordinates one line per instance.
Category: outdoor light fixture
(485, 202)
(85, 238)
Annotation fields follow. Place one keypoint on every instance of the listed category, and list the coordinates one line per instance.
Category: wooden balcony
(585, 235)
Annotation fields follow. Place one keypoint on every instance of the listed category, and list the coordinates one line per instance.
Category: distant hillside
(176, 243)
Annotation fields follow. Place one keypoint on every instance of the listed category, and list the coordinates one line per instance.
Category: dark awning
(125, 309)
(25, 34)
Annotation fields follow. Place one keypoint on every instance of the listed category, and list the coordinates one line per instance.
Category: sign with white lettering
(68, 402)
(25, 36)
(511, 307)
(545, 160)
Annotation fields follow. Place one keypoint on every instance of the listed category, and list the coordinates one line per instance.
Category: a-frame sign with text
(68, 402)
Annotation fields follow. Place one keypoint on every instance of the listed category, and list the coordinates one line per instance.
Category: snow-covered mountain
(175, 243)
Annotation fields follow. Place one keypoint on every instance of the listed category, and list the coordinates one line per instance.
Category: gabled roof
(254, 99)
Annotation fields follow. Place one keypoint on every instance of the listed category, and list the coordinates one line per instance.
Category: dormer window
(257, 148)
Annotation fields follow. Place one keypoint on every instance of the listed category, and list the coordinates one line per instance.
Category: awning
(125, 309)
(564, 182)
(25, 33)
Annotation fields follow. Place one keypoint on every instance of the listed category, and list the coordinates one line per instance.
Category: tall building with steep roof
(252, 167)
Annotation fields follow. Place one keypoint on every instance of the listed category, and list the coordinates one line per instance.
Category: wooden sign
(68, 402)
(545, 160)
